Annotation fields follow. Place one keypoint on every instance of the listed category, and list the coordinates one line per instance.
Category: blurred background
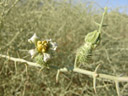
(67, 22)
(119, 5)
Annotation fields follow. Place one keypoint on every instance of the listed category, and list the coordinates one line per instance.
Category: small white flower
(32, 52)
(33, 39)
(54, 45)
(46, 57)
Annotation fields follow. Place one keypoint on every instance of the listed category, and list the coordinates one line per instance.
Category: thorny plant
(44, 49)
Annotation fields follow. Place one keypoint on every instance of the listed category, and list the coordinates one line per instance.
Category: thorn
(97, 23)
(40, 70)
(57, 76)
(75, 65)
(117, 88)
(97, 68)
(94, 84)
(94, 78)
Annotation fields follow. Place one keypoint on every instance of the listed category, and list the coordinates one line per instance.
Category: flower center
(42, 46)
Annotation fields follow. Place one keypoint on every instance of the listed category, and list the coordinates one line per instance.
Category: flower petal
(54, 45)
(48, 40)
(32, 52)
(33, 39)
(46, 57)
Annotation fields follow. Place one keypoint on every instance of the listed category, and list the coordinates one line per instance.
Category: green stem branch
(77, 70)
(102, 19)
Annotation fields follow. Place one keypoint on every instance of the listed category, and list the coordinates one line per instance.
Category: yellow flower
(39, 42)
(42, 46)
(39, 47)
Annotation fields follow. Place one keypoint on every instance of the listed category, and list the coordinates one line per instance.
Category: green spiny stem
(94, 74)
(92, 38)
(20, 60)
(69, 69)
(102, 19)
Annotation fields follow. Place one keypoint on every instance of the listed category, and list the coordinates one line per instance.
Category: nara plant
(44, 49)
